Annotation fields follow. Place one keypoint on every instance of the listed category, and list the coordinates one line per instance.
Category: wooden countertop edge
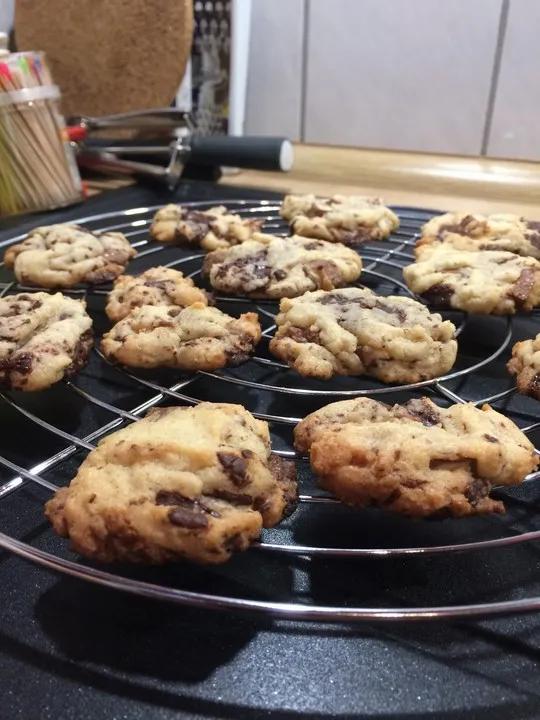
(420, 179)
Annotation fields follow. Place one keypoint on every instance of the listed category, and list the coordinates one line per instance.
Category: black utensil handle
(258, 153)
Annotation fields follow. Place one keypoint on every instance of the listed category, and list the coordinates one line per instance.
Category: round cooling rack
(297, 570)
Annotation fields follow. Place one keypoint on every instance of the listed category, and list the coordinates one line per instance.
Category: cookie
(416, 459)
(210, 229)
(351, 220)
(353, 331)
(156, 286)
(487, 282)
(61, 256)
(195, 483)
(525, 365)
(275, 267)
(464, 231)
(43, 338)
(193, 338)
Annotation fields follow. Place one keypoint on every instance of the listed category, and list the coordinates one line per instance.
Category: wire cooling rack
(47, 435)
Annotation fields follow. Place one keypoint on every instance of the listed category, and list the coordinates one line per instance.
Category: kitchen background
(450, 76)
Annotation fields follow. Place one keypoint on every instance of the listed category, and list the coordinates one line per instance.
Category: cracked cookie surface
(194, 483)
(193, 338)
(64, 255)
(483, 281)
(43, 338)
(416, 459)
(525, 365)
(466, 231)
(353, 331)
(156, 286)
(210, 229)
(349, 219)
(275, 267)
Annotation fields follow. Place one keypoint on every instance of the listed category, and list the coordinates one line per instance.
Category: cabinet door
(274, 90)
(515, 127)
(401, 74)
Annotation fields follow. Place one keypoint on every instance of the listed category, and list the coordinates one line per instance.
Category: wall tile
(515, 127)
(275, 68)
(401, 74)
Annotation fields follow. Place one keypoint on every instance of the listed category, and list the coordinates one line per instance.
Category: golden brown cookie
(65, 255)
(195, 483)
(486, 282)
(275, 267)
(416, 459)
(525, 365)
(43, 338)
(193, 338)
(349, 219)
(353, 331)
(466, 231)
(156, 286)
(210, 229)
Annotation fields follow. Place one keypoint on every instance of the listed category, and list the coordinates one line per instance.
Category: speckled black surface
(72, 650)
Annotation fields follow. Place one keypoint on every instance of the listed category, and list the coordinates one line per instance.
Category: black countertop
(72, 650)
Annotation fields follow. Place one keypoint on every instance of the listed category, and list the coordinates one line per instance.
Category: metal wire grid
(382, 266)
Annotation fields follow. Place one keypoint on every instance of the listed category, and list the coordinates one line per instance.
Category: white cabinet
(515, 124)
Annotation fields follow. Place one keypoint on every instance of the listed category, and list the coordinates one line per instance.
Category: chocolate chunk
(187, 518)
(312, 246)
(186, 512)
(247, 453)
(522, 287)
(279, 275)
(80, 353)
(169, 497)
(365, 302)
(235, 467)
(477, 490)
(324, 273)
(354, 238)
(21, 363)
(438, 295)
(491, 438)
(161, 284)
(333, 299)
(284, 472)
(303, 335)
(534, 387)
(533, 233)
(422, 410)
(466, 227)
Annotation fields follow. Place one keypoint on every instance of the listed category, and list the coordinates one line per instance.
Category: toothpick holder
(37, 165)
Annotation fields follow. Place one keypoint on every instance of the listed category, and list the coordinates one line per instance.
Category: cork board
(109, 56)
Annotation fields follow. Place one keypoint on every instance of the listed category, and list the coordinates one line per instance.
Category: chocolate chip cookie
(525, 365)
(464, 231)
(416, 459)
(195, 483)
(351, 220)
(487, 282)
(210, 229)
(61, 256)
(275, 267)
(353, 331)
(193, 338)
(43, 338)
(156, 286)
